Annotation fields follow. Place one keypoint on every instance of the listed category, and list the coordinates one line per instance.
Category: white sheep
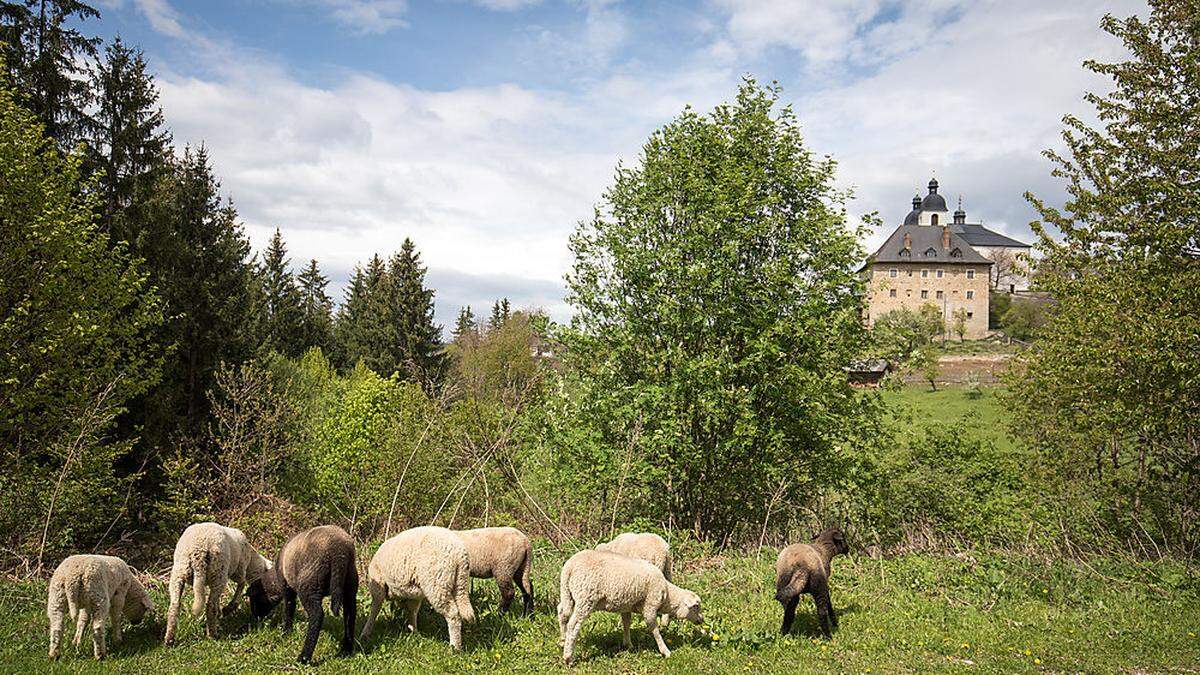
(505, 554)
(93, 588)
(643, 546)
(600, 580)
(210, 555)
(424, 563)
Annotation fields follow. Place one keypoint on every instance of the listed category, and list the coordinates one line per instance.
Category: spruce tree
(316, 320)
(348, 329)
(44, 53)
(282, 311)
(417, 337)
(465, 327)
(500, 314)
(128, 145)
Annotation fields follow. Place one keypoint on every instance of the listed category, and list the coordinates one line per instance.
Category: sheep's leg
(212, 611)
(454, 628)
(289, 609)
(99, 615)
(821, 600)
(176, 592)
(789, 614)
(651, 618)
(116, 612)
(316, 617)
(507, 592)
(626, 618)
(56, 630)
(413, 605)
(377, 593)
(233, 602)
(349, 614)
(572, 634)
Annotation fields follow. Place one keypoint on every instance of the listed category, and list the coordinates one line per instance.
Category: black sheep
(804, 568)
(312, 565)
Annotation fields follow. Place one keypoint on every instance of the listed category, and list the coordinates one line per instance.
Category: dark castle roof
(926, 246)
(933, 201)
(978, 235)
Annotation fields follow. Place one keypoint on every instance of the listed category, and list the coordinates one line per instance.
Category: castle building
(930, 259)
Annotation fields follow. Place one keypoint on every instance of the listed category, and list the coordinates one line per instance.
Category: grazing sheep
(424, 563)
(643, 546)
(804, 568)
(599, 580)
(210, 555)
(92, 588)
(505, 554)
(311, 565)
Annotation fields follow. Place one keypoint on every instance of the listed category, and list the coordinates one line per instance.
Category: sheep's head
(258, 567)
(264, 593)
(833, 539)
(688, 607)
(137, 603)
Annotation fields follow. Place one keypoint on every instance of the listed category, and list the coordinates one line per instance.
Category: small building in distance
(925, 261)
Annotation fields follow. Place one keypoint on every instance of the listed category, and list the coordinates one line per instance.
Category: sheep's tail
(527, 576)
(72, 587)
(199, 580)
(462, 590)
(785, 589)
(337, 586)
(566, 604)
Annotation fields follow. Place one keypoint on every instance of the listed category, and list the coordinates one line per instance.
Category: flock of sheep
(630, 574)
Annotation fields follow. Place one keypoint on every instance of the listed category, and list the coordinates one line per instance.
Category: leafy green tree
(998, 304)
(128, 145)
(901, 332)
(46, 54)
(924, 362)
(1109, 397)
(716, 309)
(282, 304)
(960, 323)
(78, 323)
(316, 321)
(1024, 318)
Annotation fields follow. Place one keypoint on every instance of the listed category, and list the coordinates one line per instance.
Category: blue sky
(485, 129)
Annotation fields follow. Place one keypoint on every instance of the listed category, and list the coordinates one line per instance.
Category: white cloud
(162, 17)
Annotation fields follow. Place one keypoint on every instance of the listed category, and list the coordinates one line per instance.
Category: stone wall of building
(915, 284)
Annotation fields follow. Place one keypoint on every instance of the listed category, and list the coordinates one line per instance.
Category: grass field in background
(909, 614)
(915, 405)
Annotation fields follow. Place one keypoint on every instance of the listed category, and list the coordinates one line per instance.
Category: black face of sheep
(834, 538)
(264, 595)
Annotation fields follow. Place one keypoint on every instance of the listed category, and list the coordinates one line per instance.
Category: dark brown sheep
(312, 565)
(804, 568)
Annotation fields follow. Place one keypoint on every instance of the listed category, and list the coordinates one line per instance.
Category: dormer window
(931, 253)
(956, 253)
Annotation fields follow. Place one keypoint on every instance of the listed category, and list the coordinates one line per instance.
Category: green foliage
(998, 304)
(900, 333)
(77, 321)
(1024, 318)
(959, 325)
(316, 309)
(282, 312)
(1109, 396)
(716, 309)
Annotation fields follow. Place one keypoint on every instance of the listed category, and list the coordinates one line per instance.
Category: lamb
(600, 580)
(424, 563)
(505, 554)
(209, 555)
(313, 564)
(92, 588)
(644, 546)
(804, 568)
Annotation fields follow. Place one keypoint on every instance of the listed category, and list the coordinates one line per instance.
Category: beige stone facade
(949, 287)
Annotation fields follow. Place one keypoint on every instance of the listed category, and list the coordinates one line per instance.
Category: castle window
(970, 294)
(933, 219)
(940, 273)
(924, 294)
(892, 293)
(970, 315)
(970, 274)
(939, 295)
(924, 274)
(893, 273)
(956, 253)
(931, 252)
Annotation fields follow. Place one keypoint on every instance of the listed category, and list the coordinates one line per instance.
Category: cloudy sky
(485, 129)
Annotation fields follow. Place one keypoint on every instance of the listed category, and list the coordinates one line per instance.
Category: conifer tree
(500, 314)
(128, 145)
(417, 337)
(465, 327)
(316, 321)
(44, 53)
(282, 311)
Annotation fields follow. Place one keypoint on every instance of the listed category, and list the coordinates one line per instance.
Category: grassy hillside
(914, 613)
(915, 404)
